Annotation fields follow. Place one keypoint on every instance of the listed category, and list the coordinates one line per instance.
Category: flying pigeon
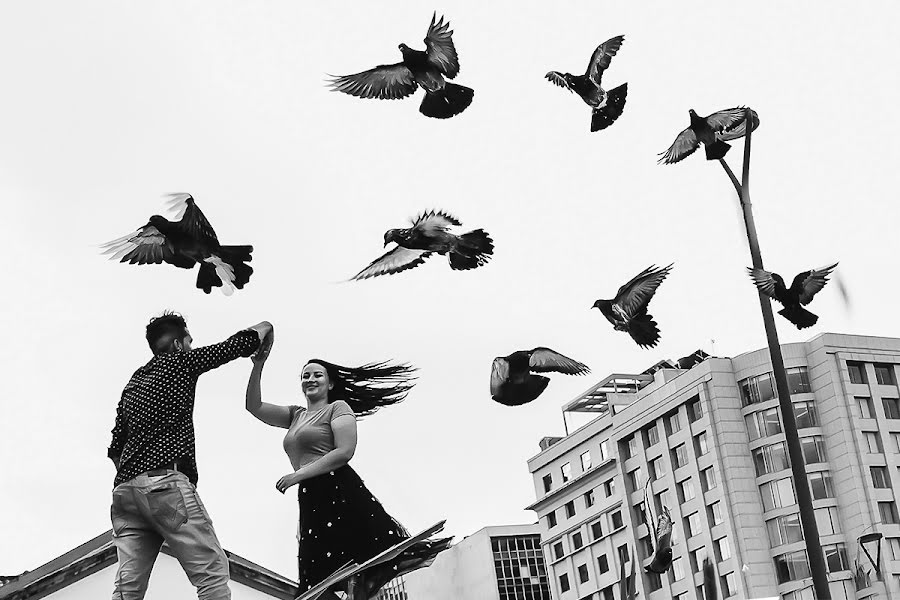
(628, 310)
(803, 288)
(712, 131)
(607, 106)
(430, 233)
(427, 69)
(184, 243)
(513, 384)
(662, 536)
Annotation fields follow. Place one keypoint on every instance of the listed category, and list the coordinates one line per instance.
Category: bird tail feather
(644, 330)
(799, 316)
(604, 116)
(717, 150)
(472, 250)
(446, 102)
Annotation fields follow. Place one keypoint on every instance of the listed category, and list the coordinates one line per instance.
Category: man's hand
(262, 329)
(262, 353)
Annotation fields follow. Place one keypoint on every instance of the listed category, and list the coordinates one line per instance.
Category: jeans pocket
(117, 512)
(166, 504)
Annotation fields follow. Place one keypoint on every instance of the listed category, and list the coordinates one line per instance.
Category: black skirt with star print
(341, 521)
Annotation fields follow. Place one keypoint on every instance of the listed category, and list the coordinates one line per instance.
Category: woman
(340, 520)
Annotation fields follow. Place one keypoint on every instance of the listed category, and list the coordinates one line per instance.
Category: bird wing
(602, 56)
(193, 221)
(664, 529)
(440, 49)
(683, 146)
(435, 220)
(557, 78)
(728, 119)
(543, 360)
(769, 283)
(499, 375)
(648, 515)
(814, 281)
(387, 82)
(636, 294)
(393, 261)
(145, 246)
(740, 130)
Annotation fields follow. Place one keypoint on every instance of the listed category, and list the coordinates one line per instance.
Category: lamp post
(871, 539)
(795, 452)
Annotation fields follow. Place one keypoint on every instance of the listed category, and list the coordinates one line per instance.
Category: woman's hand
(291, 479)
(262, 353)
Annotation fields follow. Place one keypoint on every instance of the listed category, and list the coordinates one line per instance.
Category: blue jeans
(147, 511)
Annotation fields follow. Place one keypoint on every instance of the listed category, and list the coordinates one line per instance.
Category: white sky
(106, 106)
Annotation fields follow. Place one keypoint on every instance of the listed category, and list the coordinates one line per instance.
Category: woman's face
(314, 382)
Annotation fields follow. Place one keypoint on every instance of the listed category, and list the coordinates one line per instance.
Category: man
(155, 496)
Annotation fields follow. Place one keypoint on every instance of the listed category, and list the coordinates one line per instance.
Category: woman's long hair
(369, 387)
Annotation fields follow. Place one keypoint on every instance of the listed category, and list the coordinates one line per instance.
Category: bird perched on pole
(513, 384)
(430, 233)
(805, 285)
(426, 68)
(185, 242)
(607, 106)
(628, 310)
(661, 538)
(712, 132)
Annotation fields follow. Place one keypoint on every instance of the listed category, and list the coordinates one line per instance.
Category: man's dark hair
(163, 329)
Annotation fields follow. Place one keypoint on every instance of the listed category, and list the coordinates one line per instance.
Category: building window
(865, 407)
(804, 594)
(622, 551)
(805, 414)
(763, 423)
(564, 582)
(873, 442)
(857, 371)
(888, 512)
(566, 471)
(586, 461)
(880, 477)
(770, 459)
(708, 479)
(640, 516)
(609, 488)
(616, 519)
(647, 545)
(596, 530)
(520, 568)
(715, 513)
(679, 456)
(785, 530)
(657, 468)
(663, 500)
(700, 444)
(652, 435)
(895, 438)
(686, 490)
(654, 580)
(697, 558)
(793, 566)
(692, 525)
(604, 450)
(836, 557)
(757, 389)
(635, 479)
(631, 448)
(589, 498)
(694, 409)
(551, 520)
(729, 584)
(583, 573)
(820, 485)
(673, 423)
(827, 520)
(884, 374)
(813, 449)
(602, 563)
(778, 493)
(558, 550)
(723, 549)
(548, 482)
(893, 545)
(608, 594)
(577, 542)
(798, 380)
(570, 509)
(891, 408)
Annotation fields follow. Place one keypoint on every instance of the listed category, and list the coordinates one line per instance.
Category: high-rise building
(709, 440)
(495, 563)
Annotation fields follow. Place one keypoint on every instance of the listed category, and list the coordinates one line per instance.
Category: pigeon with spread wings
(430, 233)
(628, 310)
(805, 285)
(185, 242)
(512, 382)
(712, 132)
(607, 105)
(426, 68)
(662, 536)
